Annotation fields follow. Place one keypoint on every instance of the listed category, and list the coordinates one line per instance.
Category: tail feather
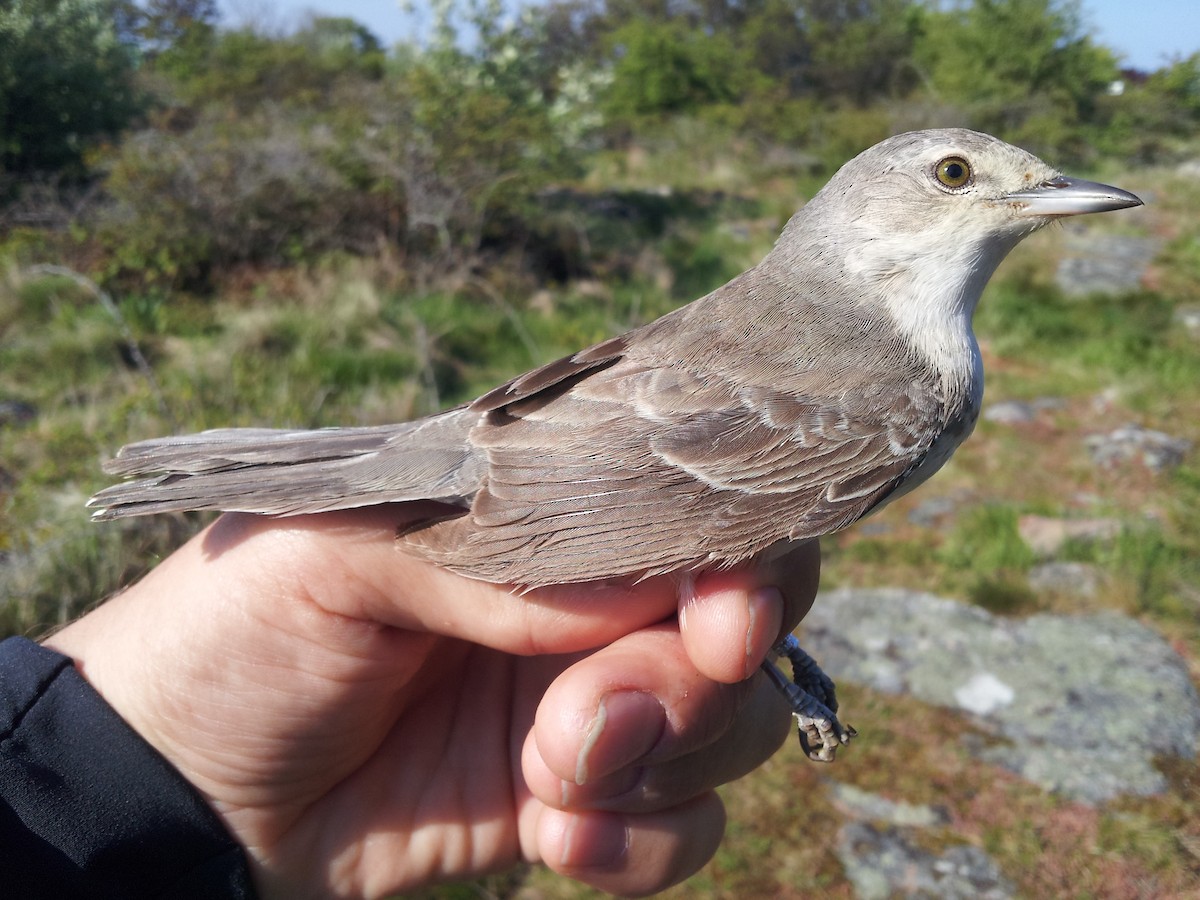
(282, 472)
(222, 448)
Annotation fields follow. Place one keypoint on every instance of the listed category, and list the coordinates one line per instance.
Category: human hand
(366, 723)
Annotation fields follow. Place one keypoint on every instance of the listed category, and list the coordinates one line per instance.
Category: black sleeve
(90, 810)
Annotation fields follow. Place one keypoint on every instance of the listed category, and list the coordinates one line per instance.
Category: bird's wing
(559, 374)
(637, 470)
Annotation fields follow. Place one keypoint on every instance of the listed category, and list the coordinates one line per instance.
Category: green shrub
(66, 82)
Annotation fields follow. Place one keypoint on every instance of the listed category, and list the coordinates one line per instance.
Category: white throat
(931, 298)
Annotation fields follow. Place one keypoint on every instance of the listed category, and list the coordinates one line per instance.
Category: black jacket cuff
(90, 810)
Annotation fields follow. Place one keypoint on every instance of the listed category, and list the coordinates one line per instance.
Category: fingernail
(594, 841)
(765, 616)
(637, 718)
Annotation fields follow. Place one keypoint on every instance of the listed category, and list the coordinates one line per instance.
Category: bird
(834, 376)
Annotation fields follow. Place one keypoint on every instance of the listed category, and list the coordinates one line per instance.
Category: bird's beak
(1063, 196)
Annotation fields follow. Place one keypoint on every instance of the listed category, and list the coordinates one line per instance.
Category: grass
(340, 342)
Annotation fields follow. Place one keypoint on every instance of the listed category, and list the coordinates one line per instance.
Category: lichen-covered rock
(1085, 702)
(1155, 450)
(882, 863)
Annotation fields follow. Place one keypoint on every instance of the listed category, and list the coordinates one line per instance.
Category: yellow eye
(953, 171)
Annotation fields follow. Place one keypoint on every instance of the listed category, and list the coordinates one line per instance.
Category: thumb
(349, 564)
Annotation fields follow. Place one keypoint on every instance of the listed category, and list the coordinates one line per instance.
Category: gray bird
(834, 376)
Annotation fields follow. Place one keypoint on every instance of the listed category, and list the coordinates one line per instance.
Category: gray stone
(883, 863)
(1075, 579)
(1085, 702)
(1096, 263)
(859, 804)
(1045, 536)
(874, 528)
(1155, 450)
(934, 509)
(1020, 412)
(1010, 412)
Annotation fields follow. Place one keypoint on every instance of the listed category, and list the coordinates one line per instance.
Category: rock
(1071, 578)
(1045, 536)
(883, 864)
(875, 528)
(1085, 702)
(1155, 450)
(859, 804)
(1096, 263)
(931, 511)
(1010, 412)
(1020, 412)
(984, 693)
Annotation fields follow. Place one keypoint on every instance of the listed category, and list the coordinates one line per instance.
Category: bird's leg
(813, 700)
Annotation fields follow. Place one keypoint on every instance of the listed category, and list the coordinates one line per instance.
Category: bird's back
(702, 452)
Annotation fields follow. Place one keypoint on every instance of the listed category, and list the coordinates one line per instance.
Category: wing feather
(636, 470)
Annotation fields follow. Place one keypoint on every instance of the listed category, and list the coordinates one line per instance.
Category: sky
(1146, 33)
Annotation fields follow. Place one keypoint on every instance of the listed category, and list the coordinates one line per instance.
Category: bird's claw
(820, 737)
(811, 695)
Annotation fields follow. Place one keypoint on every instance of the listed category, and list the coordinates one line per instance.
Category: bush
(1023, 69)
(261, 188)
(66, 82)
(668, 67)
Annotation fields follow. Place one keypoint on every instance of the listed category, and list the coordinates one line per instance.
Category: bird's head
(917, 224)
(953, 186)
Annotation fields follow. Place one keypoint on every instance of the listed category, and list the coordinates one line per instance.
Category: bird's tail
(281, 472)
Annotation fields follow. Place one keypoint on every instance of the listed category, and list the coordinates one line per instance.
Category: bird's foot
(811, 695)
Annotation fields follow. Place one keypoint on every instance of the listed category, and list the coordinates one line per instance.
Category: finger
(632, 855)
(730, 620)
(637, 700)
(349, 564)
(760, 727)
(728, 626)
(796, 570)
(634, 704)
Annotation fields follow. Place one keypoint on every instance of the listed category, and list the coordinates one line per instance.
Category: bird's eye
(953, 171)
